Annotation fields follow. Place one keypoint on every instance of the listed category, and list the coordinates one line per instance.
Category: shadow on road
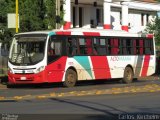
(113, 82)
(106, 112)
(60, 84)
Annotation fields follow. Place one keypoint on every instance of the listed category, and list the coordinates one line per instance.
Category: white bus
(80, 54)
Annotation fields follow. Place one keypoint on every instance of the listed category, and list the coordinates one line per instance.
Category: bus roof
(88, 32)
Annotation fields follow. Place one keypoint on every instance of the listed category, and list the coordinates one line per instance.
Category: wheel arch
(73, 68)
(130, 67)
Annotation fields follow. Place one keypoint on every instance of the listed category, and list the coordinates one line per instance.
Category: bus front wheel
(70, 78)
(128, 75)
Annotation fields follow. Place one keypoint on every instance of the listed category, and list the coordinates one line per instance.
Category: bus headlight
(40, 69)
(10, 70)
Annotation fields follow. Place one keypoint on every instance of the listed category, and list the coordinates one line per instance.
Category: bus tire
(128, 75)
(70, 78)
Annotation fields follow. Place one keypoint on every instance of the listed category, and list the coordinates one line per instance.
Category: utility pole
(57, 12)
(16, 16)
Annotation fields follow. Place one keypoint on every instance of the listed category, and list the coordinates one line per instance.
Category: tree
(154, 27)
(32, 15)
(7, 6)
(51, 13)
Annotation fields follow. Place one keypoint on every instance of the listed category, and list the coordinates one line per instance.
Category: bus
(68, 56)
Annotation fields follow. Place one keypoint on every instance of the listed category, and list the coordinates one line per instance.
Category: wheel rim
(70, 78)
(128, 75)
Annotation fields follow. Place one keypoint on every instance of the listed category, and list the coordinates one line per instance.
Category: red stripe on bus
(55, 70)
(63, 33)
(145, 65)
(91, 33)
(67, 25)
(149, 35)
(100, 67)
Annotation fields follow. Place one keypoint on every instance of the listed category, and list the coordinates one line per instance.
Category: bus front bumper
(26, 78)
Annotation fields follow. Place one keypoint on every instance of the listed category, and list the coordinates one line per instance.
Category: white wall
(135, 25)
(115, 20)
(87, 16)
(135, 22)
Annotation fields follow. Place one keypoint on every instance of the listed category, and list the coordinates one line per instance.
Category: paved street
(88, 100)
(87, 107)
(83, 88)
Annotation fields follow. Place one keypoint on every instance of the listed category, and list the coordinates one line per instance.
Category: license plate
(23, 78)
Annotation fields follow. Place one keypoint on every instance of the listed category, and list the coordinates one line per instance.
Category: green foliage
(51, 13)
(6, 6)
(154, 27)
(33, 15)
(62, 12)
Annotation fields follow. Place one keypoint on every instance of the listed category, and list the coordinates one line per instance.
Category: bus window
(72, 46)
(58, 48)
(51, 49)
(89, 49)
(54, 49)
(134, 47)
(129, 46)
(137, 47)
(141, 46)
(114, 46)
(96, 46)
(82, 46)
(148, 47)
(102, 48)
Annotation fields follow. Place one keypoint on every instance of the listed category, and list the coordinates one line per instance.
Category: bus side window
(82, 46)
(137, 47)
(114, 46)
(129, 46)
(102, 48)
(69, 46)
(108, 46)
(96, 46)
(89, 49)
(51, 50)
(141, 46)
(134, 47)
(148, 46)
(72, 46)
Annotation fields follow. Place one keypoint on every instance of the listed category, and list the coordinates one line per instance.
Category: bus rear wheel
(70, 78)
(128, 75)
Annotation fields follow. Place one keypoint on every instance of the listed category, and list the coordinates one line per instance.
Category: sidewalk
(153, 77)
(4, 79)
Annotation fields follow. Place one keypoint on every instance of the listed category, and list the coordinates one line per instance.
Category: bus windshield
(27, 50)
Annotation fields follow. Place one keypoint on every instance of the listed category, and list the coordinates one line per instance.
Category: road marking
(41, 97)
(3, 87)
(2, 98)
(111, 91)
(18, 97)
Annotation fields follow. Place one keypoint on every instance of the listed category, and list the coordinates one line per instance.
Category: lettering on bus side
(120, 58)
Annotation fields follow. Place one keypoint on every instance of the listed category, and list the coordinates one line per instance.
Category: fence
(4, 50)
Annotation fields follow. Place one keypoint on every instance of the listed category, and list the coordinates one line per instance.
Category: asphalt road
(87, 86)
(110, 100)
(87, 107)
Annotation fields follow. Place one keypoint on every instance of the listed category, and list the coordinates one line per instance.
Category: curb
(148, 88)
(3, 86)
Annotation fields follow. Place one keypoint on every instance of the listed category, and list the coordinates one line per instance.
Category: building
(128, 15)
